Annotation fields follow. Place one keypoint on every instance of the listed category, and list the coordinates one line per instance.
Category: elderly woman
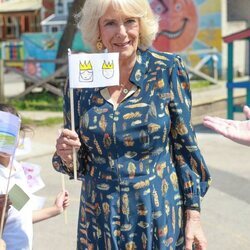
(142, 173)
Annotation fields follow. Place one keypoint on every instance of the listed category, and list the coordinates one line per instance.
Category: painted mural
(189, 27)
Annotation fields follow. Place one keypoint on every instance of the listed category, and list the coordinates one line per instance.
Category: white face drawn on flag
(108, 69)
(85, 72)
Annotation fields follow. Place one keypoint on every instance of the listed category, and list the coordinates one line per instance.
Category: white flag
(89, 70)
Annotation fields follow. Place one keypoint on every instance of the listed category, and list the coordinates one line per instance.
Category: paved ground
(225, 210)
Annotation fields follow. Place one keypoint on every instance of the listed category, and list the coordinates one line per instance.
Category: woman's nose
(122, 32)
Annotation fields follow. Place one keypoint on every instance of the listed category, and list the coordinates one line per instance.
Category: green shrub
(199, 84)
(45, 122)
(38, 101)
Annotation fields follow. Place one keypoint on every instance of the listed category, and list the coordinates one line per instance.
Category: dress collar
(140, 68)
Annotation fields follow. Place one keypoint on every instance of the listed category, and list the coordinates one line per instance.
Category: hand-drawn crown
(85, 65)
(107, 65)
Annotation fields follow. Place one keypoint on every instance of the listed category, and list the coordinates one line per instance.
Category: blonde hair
(93, 10)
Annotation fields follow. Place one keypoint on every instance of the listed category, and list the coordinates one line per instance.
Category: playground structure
(34, 58)
(231, 83)
(13, 50)
(36, 65)
(207, 56)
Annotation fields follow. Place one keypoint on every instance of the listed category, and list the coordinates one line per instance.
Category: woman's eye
(109, 23)
(130, 21)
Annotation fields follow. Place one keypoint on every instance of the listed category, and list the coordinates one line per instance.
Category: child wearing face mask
(18, 224)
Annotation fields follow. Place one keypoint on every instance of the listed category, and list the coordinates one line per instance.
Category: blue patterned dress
(139, 162)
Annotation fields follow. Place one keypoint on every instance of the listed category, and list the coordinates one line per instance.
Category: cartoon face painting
(108, 69)
(178, 24)
(85, 72)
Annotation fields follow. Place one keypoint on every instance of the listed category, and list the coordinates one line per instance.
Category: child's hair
(10, 109)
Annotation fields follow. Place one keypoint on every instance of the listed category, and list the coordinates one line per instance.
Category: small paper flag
(9, 130)
(93, 70)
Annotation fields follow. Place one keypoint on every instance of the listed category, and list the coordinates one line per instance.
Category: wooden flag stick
(72, 112)
(65, 211)
(73, 128)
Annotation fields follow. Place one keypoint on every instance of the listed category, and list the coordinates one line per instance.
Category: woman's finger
(189, 243)
(246, 110)
(69, 134)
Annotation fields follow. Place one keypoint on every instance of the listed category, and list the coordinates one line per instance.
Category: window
(54, 29)
(12, 27)
(60, 7)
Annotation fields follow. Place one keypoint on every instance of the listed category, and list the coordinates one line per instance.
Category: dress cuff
(192, 202)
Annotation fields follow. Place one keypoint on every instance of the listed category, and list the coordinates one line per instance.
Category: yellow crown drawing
(85, 65)
(107, 65)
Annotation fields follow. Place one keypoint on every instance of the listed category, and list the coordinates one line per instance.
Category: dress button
(125, 91)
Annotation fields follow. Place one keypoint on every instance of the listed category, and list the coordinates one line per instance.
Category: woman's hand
(194, 234)
(65, 143)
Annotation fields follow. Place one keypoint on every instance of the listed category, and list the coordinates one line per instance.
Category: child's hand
(2, 199)
(62, 201)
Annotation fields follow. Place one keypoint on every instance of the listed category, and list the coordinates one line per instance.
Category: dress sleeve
(191, 169)
(81, 154)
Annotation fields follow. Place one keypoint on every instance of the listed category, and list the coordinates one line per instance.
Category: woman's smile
(122, 45)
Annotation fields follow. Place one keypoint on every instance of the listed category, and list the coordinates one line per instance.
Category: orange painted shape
(178, 24)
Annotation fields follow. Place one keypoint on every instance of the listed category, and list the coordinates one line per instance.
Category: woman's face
(119, 33)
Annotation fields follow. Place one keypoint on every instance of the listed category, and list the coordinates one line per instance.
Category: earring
(99, 44)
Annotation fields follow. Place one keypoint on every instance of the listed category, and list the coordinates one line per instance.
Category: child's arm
(61, 203)
(2, 200)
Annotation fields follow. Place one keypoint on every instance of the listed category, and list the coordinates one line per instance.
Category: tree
(69, 31)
